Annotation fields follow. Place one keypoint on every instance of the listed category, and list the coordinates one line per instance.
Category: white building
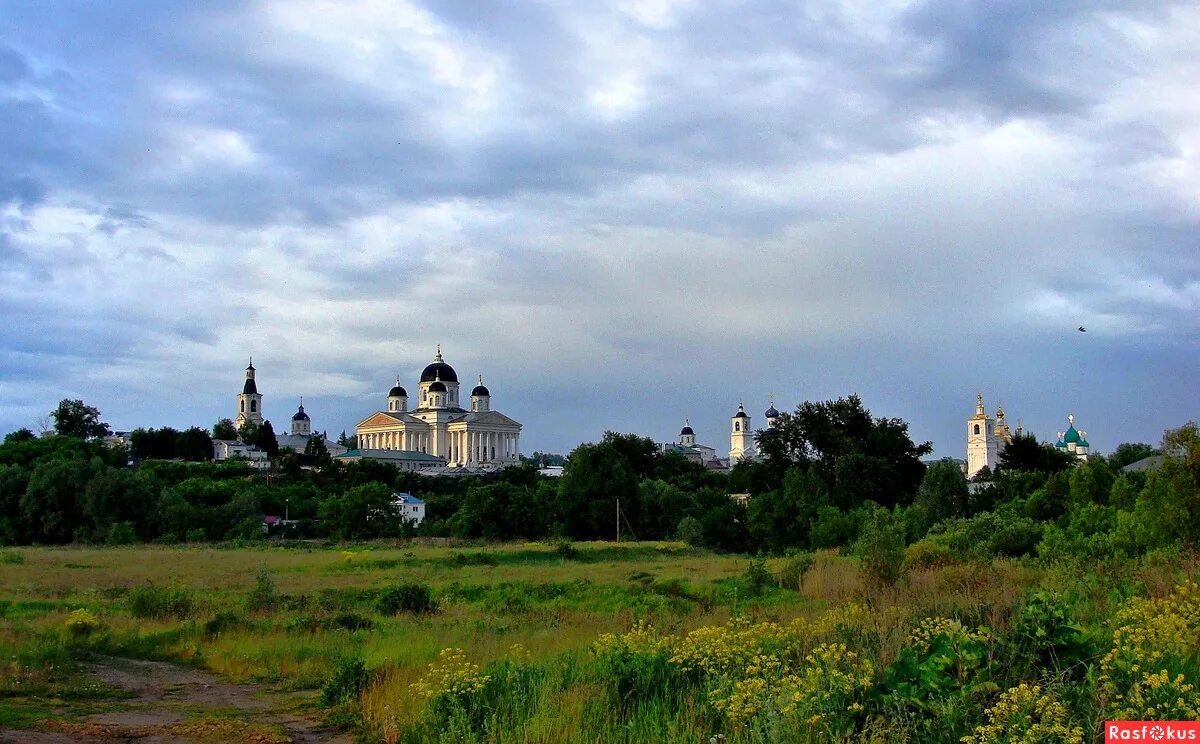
(440, 426)
(687, 448)
(410, 508)
(249, 402)
(302, 433)
(227, 449)
(741, 437)
(986, 439)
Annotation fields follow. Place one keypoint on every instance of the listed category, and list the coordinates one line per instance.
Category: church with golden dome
(438, 425)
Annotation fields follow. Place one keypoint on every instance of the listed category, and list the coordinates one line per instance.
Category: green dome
(1084, 443)
(1060, 445)
(1072, 436)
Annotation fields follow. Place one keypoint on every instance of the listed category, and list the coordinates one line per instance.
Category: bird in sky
(1082, 329)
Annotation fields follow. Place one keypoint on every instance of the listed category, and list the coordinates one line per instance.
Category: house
(229, 449)
(409, 508)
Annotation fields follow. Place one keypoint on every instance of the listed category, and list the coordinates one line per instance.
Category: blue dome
(772, 413)
(687, 430)
(300, 415)
(480, 390)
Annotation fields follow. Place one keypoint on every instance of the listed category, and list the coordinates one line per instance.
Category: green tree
(1129, 453)
(859, 457)
(14, 479)
(116, 495)
(594, 478)
(265, 439)
(53, 500)
(224, 429)
(1024, 452)
(73, 418)
(20, 435)
(194, 444)
(361, 513)
(943, 494)
(248, 432)
(1091, 482)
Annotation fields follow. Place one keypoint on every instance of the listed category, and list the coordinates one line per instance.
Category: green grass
(193, 607)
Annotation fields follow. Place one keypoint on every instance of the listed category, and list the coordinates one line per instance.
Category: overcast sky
(621, 216)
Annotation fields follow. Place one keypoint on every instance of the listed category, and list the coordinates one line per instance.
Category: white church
(741, 441)
(438, 429)
(987, 437)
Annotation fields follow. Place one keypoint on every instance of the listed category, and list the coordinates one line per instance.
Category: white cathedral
(439, 426)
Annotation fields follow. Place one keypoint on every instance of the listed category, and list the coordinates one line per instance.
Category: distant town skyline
(622, 215)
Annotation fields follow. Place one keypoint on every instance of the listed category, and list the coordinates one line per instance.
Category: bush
(566, 550)
(691, 531)
(11, 558)
(881, 545)
(81, 624)
(413, 598)
(263, 597)
(350, 621)
(223, 621)
(347, 681)
(791, 575)
(757, 578)
(196, 534)
(121, 533)
(149, 601)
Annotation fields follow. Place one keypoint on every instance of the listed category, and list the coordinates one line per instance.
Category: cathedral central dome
(439, 370)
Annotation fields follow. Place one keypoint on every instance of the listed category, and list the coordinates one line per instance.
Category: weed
(347, 681)
(11, 558)
(263, 597)
(150, 601)
(413, 598)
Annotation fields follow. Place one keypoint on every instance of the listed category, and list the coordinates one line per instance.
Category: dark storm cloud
(659, 190)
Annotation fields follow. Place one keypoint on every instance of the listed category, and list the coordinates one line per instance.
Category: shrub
(81, 624)
(263, 597)
(566, 550)
(11, 558)
(347, 681)
(196, 534)
(757, 578)
(791, 574)
(351, 621)
(223, 621)
(881, 545)
(411, 597)
(149, 601)
(121, 533)
(691, 531)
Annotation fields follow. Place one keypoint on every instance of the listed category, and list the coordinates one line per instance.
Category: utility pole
(618, 519)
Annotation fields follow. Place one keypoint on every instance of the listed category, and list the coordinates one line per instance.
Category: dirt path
(178, 705)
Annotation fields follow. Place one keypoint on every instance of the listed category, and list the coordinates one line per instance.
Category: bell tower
(249, 400)
(982, 444)
(741, 439)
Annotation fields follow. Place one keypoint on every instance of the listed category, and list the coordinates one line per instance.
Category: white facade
(410, 508)
(986, 439)
(226, 449)
(741, 437)
(439, 426)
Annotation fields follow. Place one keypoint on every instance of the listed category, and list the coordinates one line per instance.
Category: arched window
(976, 428)
(737, 425)
(253, 406)
(243, 406)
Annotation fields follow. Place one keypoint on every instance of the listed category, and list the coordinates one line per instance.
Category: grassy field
(559, 643)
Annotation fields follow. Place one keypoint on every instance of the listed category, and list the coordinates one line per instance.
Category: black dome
(772, 413)
(740, 414)
(480, 390)
(686, 430)
(300, 415)
(439, 370)
(437, 387)
(397, 391)
(249, 388)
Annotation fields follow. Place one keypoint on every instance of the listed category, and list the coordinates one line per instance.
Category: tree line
(830, 475)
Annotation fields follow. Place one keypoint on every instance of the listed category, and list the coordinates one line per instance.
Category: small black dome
(686, 430)
(740, 414)
(480, 390)
(437, 387)
(439, 370)
(772, 413)
(300, 415)
(249, 388)
(397, 392)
